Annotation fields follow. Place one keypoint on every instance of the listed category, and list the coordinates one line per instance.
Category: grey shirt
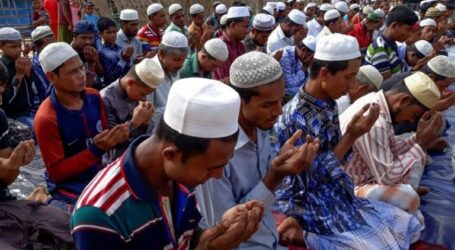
(125, 42)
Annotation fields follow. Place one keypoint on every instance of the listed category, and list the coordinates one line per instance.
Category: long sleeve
(293, 78)
(113, 64)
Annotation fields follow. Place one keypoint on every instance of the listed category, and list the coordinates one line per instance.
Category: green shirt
(173, 27)
(191, 68)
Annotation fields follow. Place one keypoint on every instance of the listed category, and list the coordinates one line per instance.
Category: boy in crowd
(40, 14)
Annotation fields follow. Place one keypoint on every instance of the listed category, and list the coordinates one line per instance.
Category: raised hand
(142, 113)
(108, 139)
(291, 233)
(127, 53)
(428, 128)
(361, 123)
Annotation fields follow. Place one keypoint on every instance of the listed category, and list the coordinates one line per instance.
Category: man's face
(338, 84)
(305, 55)
(207, 64)
(402, 32)
(300, 6)
(12, 49)
(428, 33)
(336, 26)
(71, 76)
(172, 62)
(109, 35)
(260, 37)
(406, 113)
(414, 37)
(199, 19)
(37, 4)
(83, 40)
(376, 4)
(179, 18)
(130, 28)
(290, 28)
(240, 29)
(444, 84)
(159, 18)
(385, 6)
(137, 91)
(263, 110)
(370, 25)
(412, 58)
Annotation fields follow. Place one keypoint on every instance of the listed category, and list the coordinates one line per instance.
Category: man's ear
(172, 153)
(404, 100)
(51, 76)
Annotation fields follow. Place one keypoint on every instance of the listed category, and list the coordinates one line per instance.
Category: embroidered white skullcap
(297, 17)
(196, 9)
(337, 47)
(310, 42)
(424, 47)
(331, 15)
(221, 9)
(269, 10)
(41, 32)
(223, 19)
(354, 6)
(253, 69)
(427, 22)
(129, 15)
(423, 89)
(263, 22)
(441, 7)
(443, 66)
(326, 7)
(217, 48)
(149, 72)
(342, 6)
(174, 8)
(54, 55)
(367, 9)
(372, 74)
(311, 5)
(379, 12)
(202, 108)
(280, 6)
(10, 34)
(153, 8)
(238, 12)
(175, 39)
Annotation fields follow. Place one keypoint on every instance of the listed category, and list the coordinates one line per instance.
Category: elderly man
(41, 37)
(367, 80)
(256, 40)
(150, 35)
(282, 35)
(203, 63)
(126, 36)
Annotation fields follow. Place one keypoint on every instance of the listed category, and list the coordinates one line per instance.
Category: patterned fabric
(235, 50)
(42, 84)
(361, 34)
(113, 63)
(293, 73)
(150, 38)
(383, 55)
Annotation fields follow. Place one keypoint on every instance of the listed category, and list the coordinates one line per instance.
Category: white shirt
(343, 103)
(314, 28)
(278, 40)
(324, 32)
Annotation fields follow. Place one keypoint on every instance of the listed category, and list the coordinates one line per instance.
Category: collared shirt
(119, 109)
(278, 40)
(314, 28)
(242, 182)
(113, 63)
(383, 55)
(364, 38)
(380, 157)
(126, 42)
(119, 209)
(324, 32)
(251, 46)
(150, 38)
(343, 103)
(173, 27)
(191, 68)
(202, 31)
(293, 73)
(235, 50)
(42, 84)
(322, 197)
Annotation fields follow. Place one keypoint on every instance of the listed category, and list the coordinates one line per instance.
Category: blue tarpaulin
(16, 14)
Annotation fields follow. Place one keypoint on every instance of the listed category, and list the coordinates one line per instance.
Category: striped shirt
(380, 157)
(120, 210)
(383, 55)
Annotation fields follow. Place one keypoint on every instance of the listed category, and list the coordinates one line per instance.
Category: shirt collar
(393, 45)
(330, 104)
(383, 106)
(280, 33)
(243, 139)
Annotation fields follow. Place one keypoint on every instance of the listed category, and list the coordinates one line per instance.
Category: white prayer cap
(175, 39)
(41, 32)
(196, 9)
(342, 6)
(311, 5)
(331, 15)
(417, 14)
(423, 89)
(379, 12)
(300, 1)
(280, 6)
(427, 1)
(223, 19)
(424, 47)
(217, 48)
(442, 66)
(310, 43)
(372, 74)
(202, 108)
(253, 69)
(149, 72)
(221, 9)
(10, 34)
(271, 4)
(54, 55)
(441, 7)
(427, 22)
(354, 6)
(153, 8)
(367, 9)
(305, 9)
(269, 10)
(238, 12)
(326, 7)
(174, 8)
(263, 22)
(129, 15)
(335, 2)
(337, 47)
(297, 17)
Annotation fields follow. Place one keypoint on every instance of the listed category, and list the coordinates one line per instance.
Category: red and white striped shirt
(379, 156)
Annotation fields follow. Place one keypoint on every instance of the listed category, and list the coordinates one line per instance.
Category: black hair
(230, 21)
(428, 71)
(246, 93)
(400, 87)
(210, 22)
(210, 57)
(413, 48)
(287, 19)
(328, 22)
(188, 145)
(238, 3)
(3, 74)
(105, 23)
(132, 73)
(401, 14)
(57, 70)
(332, 67)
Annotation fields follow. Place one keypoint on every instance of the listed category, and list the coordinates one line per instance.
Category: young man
(237, 23)
(317, 24)
(386, 167)
(177, 16)
(153, 204)
(71, 127)
(253, 172)
(65, 21)
(364, 30)
(332, 23)
(198, 30)
(256, 40)
(382, 53)
(416, 55)
(429, 28)
(322, 198)
(150, 35)
(125, 101)
(126, 36)
(18, 98)
(203, 63)
(367, 80)
(282, 35)
(116, 60)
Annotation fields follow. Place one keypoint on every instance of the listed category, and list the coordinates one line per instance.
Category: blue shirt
(293, 73)
(322, 198)
(242, 182)
(43, 86)
(93, 18)
(113, 63)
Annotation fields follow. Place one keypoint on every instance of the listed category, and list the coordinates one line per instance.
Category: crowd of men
(298, 124)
